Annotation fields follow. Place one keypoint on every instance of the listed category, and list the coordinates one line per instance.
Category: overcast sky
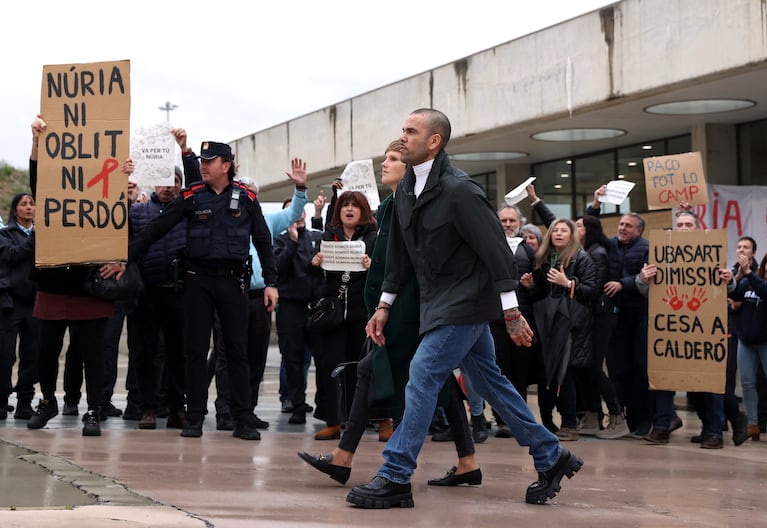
(237, 67)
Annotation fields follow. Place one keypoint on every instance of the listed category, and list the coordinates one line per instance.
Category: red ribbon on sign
(110, 165)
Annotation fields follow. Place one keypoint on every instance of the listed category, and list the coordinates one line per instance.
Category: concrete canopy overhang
(625, 113)
(599, 70)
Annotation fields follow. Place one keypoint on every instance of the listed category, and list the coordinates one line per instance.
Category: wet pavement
(132, 478)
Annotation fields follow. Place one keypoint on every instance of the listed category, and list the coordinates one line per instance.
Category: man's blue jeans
(441, 350)
(750, 358)
(713, 414)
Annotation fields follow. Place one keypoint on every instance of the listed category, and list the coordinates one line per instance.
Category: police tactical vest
(213, 230)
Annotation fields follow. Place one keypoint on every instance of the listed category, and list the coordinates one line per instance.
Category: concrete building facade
(604, 72)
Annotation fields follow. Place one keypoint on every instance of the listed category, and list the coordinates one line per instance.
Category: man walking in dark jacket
(446, 233)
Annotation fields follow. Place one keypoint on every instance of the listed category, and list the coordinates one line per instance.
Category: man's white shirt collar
(421, 174)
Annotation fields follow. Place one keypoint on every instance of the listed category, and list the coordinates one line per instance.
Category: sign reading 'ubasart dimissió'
(82, 210)
(687, 317)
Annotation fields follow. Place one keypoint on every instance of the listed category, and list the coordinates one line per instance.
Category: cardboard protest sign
(687, 317)
(153, 154)
(673, 179)
(82, 210)
(360, 176)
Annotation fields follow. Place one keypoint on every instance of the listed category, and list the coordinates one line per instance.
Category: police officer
(222, 216)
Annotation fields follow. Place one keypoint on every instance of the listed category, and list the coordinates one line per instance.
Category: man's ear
(435, 140)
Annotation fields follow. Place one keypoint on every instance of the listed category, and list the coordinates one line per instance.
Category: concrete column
(508, 176)
(718, 146)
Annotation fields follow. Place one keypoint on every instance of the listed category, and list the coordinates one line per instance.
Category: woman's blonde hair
(567, 254)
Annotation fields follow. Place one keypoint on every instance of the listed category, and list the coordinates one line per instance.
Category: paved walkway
(131, 478)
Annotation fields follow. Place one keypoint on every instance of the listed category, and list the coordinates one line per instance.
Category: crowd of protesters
(592, 371)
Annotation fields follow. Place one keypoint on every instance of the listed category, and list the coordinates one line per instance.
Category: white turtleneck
(421, 175)
(508, 299)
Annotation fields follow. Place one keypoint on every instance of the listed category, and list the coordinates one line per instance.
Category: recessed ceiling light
(632, 163)
(564, 175)
(579, 134)
(646, 147)
(700, 106)
(488, 156)
(621, 176)
(557, 186)
(569, 162)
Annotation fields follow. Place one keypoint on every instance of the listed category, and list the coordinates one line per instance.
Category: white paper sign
(617, 191)
(513, 243)
(153, 154)
(342, 256)
(360, 176)
(517, 193)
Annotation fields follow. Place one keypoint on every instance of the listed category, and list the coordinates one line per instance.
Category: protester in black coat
(627, 355)
(595, 383)
(563, 273)
(17, 299)
(352, 220)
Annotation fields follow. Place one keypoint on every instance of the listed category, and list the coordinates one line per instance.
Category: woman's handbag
(327, 313)
(130, 285)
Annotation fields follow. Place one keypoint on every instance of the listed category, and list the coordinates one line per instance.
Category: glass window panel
(631, 168)
(553, 184)
(487, 181)
(591, 172)
(752, 153)
(679, 144)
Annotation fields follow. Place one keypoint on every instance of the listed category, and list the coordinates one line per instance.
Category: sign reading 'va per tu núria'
(82, 208)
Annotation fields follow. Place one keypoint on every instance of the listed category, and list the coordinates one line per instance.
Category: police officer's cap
(210, 150)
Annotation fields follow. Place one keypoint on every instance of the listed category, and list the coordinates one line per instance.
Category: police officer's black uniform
(219, 227)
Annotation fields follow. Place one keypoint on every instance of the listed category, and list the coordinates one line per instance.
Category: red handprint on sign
(698, 298)
(672, 298)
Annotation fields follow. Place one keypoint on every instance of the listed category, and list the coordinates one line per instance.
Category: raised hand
(127, 167)
(180, 135)
(38, 126)
(297, 172)
(319, 204)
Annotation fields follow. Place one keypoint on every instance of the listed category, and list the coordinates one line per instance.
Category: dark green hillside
(12, 181)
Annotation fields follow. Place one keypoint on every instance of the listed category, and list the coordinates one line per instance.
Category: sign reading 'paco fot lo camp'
(672, 179)
(82, 208)
(687, 314)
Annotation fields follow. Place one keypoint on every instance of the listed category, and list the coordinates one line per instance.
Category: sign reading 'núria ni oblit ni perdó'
(82, 208)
